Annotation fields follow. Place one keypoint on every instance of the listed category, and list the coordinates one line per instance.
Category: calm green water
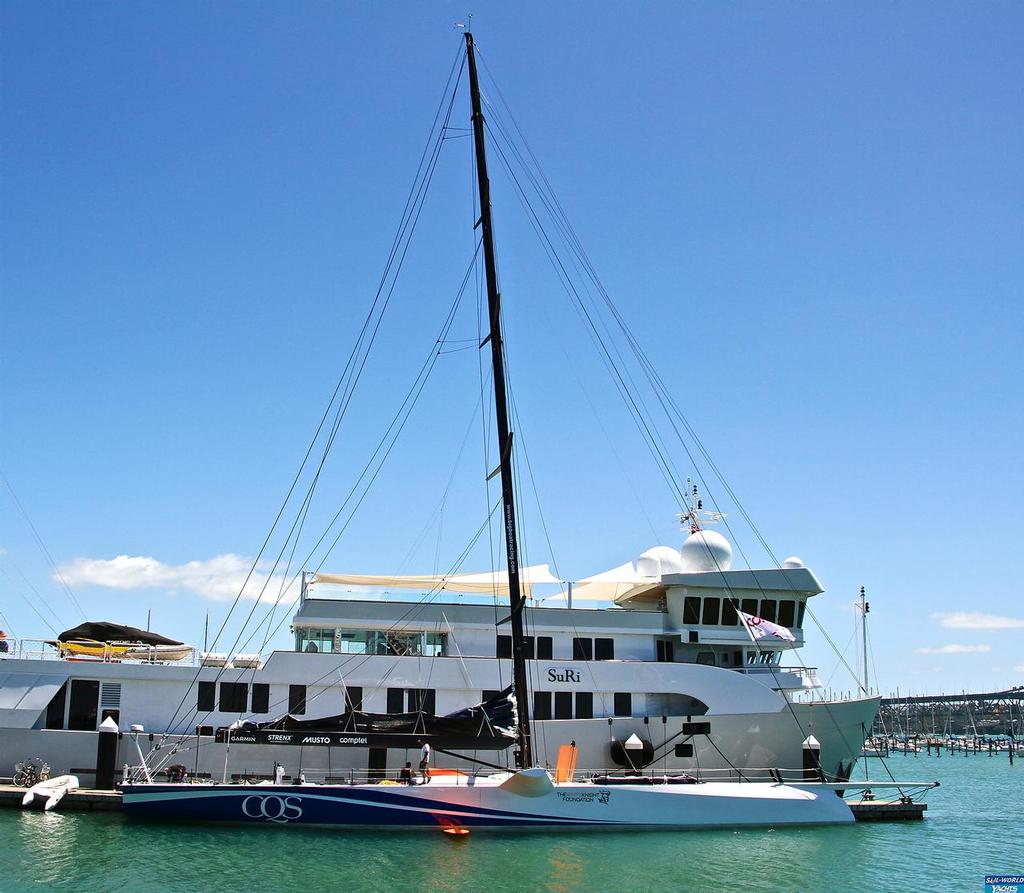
(975, 826)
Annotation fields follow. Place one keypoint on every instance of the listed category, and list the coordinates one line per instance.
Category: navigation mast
(501, 412)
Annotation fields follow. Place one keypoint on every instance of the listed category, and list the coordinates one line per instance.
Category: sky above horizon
(810, 216)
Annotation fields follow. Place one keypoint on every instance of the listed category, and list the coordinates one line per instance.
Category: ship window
(604, 649)
(666, 651)
(85, 695)
(55, 709)
(729, 617)
(768, 609)
(751, 657)
(527, 647)
(353, 698)
(260, 697)
(737, 658)
(504, 648)
(582, 649)
(544, 648)
(422, 700)
(623, 703)
(787, 612)
(584, 705)
(487, 694)
(696, 728)
(711, 611)
(691, 609)
(233, 697)
(296, 699)
(396, 700)
(563, 705)
(205, 731)
(800, 614)
(542, 705)
(206, 697)
(684, 750)
(706, 657)
(674, 704)
(749, 606)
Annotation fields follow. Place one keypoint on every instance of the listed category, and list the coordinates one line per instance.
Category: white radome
(659, 560)
(792, 562)
(706, 551)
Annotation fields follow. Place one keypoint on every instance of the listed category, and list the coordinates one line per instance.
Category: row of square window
(562, 702)
(234, 698)
(541, 648)
(715, 611)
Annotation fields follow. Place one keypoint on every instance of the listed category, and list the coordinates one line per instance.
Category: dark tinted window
(422, 700)
(749, 606)
(800, 614)
(563, 705)
(396, 700)
(233, 697)
(604, 649)
(260, 697)
(206, 731)
(85, 695)
(787, 612)
(544, 649)
(584, 705)
(55, 709)
(206, 698)
(711, 610)
(706, 657)
(528, 647)
(684, 750)
(623, 703)
(665, 651)
(489, 693)
(354, 698)
(296, 699)
(542, 705)
(582, 649)
(691, 609)
(504, 647)
(729, 617)
(768, 609)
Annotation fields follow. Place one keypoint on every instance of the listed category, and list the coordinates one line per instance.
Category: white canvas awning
(487, 583)
(606, 586)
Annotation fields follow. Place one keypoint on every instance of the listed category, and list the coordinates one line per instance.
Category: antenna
(696, 516)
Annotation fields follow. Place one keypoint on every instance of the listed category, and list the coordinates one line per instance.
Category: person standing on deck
(425, 762)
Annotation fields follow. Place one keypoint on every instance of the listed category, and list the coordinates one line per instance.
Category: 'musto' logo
(272, 808)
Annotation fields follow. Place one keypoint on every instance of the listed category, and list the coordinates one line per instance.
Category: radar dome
(706, 551)
(659, 560)
(792, 562)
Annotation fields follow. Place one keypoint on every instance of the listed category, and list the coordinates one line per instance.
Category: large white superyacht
(660, 658)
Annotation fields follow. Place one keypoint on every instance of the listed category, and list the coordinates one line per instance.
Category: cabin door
(378, 763)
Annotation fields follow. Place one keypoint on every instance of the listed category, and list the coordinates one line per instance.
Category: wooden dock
(887, 810)
(80, 799)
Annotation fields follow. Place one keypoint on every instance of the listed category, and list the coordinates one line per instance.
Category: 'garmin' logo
(279, 810)
(564, 675)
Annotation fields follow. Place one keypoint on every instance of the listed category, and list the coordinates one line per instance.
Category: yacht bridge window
(363, 641)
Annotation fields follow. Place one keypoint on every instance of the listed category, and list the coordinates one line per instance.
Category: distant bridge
(983, 713)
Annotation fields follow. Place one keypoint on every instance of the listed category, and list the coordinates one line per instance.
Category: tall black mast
(501, 411)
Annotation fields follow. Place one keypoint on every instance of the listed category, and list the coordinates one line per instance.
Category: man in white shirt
(425, 762)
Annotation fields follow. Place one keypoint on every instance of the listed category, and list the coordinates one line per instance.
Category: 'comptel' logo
(1004, 883)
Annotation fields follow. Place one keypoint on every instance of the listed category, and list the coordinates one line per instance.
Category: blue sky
(810, 215)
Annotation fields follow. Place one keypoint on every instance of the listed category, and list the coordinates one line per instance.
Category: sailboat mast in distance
(501, 413)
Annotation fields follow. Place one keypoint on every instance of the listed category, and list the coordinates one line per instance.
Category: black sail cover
(486, 726)
(104, 631)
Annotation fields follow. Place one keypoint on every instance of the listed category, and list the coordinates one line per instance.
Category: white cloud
(955, 649)
(972, 620)
(1019, 668)
(218, 578)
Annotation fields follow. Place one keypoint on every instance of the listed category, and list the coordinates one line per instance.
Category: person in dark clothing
(405, 775)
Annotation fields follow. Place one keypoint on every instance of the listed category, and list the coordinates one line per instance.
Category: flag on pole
(759, 628)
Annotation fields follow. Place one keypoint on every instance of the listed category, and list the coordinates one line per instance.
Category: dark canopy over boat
(486, 726)
(105, 631)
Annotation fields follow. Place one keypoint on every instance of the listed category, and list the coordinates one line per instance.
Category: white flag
(759, 628)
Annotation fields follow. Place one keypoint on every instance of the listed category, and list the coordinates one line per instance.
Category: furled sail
(486, 726)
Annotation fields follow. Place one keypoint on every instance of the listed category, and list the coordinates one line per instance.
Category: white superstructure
(665, 659)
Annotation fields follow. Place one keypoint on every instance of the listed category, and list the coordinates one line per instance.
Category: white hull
(524, 801)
